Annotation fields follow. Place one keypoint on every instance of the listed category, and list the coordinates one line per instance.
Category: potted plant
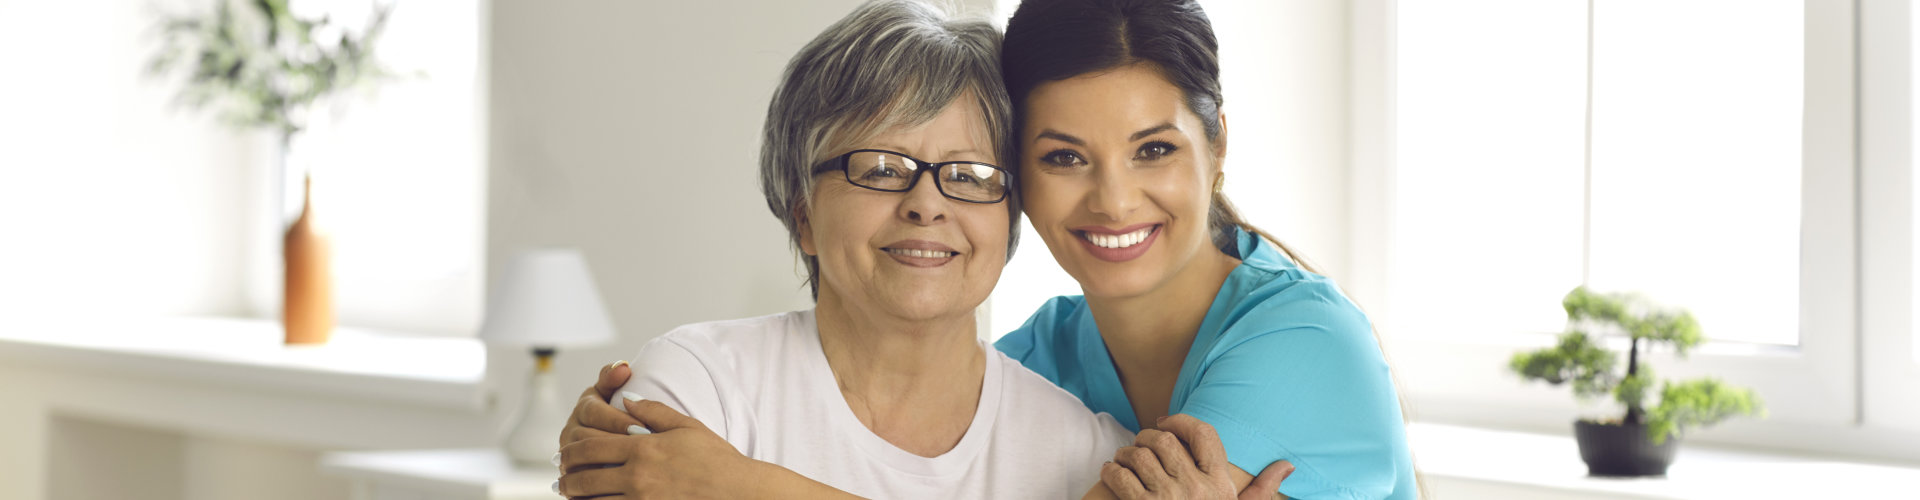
(1642, 441)
(261, 67)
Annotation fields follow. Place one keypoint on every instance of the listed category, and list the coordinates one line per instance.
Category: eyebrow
(1050, 134)
(947, 157)
(957, 152)
(1149, 131)
(1152, 130)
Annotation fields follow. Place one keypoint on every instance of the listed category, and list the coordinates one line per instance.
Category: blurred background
(1457, 165)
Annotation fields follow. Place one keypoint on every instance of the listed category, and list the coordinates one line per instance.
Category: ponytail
(1223, 217)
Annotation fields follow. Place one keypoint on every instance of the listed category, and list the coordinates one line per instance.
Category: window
(1698, 151)
(1489, 181)
(399, 180)
(1695, 183)
(1691, 194)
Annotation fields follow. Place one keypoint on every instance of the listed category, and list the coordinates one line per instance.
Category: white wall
(1284, 73)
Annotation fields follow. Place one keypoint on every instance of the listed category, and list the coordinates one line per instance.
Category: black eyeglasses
(882, 170)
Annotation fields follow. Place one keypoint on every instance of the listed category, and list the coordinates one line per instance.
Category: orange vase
(307, 311)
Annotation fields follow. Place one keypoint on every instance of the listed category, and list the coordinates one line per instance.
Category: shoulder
(1055, 320)
(733, 340)
(721, 355)
(704, 369)
(1035, 405)
(1298, 375)
(1298, 307)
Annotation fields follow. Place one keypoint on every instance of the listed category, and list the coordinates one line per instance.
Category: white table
(457, 474)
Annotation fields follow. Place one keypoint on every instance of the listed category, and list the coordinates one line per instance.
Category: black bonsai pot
(1622, 450)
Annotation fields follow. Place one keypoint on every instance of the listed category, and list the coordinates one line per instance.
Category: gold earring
(1219, 182)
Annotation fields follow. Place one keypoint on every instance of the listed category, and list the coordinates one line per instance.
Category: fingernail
(631, 396)
(556, 487)
(635, 430)
(556, 459)
(619, 363)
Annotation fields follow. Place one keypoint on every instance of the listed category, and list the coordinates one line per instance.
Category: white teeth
(1120, 240)
(924, 254)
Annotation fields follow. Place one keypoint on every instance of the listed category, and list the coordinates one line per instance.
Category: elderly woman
(881, 157)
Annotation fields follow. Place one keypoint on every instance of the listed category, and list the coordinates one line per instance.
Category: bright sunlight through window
(1693, 196)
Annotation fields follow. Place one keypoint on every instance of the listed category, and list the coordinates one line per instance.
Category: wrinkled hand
(681, 458)
(592, 417)
(1183, 459)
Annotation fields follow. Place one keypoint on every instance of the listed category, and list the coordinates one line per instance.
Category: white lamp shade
(546, 298)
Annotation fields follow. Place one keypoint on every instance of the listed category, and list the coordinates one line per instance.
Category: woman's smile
(920, 253)
(1118, 245)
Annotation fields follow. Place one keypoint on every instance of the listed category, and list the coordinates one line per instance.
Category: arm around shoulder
(666, 371)
(1315, 390)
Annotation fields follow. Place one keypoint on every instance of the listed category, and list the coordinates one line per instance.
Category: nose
(924, 205)
(1116, 193)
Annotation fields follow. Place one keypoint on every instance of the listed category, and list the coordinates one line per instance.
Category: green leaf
(1576, 359)
(1698, 403)
(1632, 391)
(263, 78)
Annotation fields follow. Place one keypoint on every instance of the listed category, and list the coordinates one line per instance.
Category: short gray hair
(890, 63)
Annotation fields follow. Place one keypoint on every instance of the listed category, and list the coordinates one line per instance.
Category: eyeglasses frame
(842, 163)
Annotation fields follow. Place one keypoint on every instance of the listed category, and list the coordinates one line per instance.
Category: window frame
(1890, 372)
(1836, 393)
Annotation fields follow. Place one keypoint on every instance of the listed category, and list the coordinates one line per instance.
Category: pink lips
(1122, 254)
(905, 251)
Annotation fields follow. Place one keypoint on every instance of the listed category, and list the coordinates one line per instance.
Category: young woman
(1187, 310)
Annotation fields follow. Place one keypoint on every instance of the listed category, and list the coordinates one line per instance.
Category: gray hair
(890, 63)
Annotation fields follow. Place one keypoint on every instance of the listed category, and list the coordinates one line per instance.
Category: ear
(806, 230)
(1220, 143)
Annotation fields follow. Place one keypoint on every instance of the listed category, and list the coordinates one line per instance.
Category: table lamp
(543, 300)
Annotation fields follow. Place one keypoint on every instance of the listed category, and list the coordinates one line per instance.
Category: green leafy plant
(261, 66)
(1579, 360)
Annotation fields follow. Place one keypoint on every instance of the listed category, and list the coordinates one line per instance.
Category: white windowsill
(1543, 465)
(249, 353)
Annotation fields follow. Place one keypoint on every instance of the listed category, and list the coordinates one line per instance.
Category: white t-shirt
(763, 384)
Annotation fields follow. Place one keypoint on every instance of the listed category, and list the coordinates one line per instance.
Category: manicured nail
(635, 430)
(556, 459)
(556, 487)
(631, 396)
(619, 363)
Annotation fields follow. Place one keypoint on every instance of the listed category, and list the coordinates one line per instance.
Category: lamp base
(535, 432)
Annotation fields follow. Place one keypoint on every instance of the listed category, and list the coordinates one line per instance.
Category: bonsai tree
(1580, 360)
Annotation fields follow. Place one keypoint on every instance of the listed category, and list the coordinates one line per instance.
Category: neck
(916, 383)
(873, 351)
(1149, 334)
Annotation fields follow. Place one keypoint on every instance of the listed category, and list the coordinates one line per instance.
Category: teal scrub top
(1284, 367)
